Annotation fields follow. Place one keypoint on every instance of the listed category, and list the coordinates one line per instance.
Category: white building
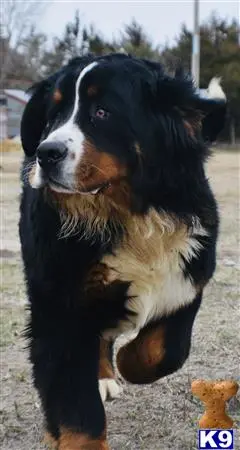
(12, 104)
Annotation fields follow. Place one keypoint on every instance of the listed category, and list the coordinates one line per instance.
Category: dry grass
(161, 416)
(8, 145)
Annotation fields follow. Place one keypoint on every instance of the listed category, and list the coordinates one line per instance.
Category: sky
(160, 19)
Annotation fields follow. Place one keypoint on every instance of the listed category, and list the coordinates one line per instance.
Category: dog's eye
(101, 113)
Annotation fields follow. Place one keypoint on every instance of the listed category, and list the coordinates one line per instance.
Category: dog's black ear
(34, 118)
(212, 104)
(203, 109)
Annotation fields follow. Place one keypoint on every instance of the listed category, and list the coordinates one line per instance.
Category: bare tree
(17, 19)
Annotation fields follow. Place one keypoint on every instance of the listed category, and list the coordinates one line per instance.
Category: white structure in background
(12, 104)
(196, 44)
(214, 90)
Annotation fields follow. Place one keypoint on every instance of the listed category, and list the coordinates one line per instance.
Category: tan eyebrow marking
(57, 96)
(92, 90)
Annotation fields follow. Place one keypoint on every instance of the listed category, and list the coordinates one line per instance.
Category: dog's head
(105, 126)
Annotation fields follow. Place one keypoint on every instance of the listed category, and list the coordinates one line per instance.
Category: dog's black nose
(50, 153)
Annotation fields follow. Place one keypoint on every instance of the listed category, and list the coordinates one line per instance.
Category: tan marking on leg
(50, 441)
(76, 441)
(138, 360)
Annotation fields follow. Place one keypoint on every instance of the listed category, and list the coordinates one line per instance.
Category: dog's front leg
(66, 376)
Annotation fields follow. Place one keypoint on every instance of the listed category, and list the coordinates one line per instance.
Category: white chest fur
(150, 259)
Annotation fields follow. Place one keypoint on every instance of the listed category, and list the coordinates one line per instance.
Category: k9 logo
(215, 439)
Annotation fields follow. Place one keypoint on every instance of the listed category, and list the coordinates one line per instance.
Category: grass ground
(157, 417)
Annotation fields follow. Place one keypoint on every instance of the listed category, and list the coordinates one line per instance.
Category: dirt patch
(9, 145)
(157, 417)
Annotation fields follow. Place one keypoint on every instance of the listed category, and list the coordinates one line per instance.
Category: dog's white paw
(109, 388)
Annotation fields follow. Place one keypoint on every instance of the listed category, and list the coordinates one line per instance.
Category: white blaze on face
(69, 134)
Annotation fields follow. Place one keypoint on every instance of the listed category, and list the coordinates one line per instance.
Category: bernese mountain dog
(118, 231)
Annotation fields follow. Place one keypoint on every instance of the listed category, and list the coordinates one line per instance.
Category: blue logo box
(215, 439)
